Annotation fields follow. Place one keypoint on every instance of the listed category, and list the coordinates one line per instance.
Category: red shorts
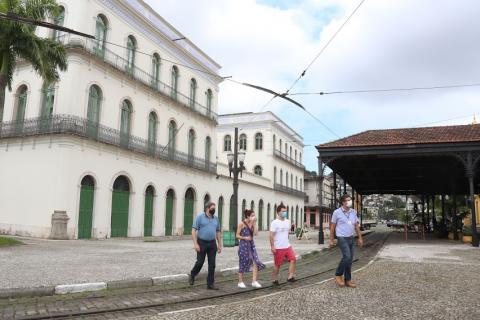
(282, 255)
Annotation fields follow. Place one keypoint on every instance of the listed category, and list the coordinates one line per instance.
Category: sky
(386, 44)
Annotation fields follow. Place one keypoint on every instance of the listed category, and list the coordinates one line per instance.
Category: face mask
(212, 211)
(285, 214)
(349, 203)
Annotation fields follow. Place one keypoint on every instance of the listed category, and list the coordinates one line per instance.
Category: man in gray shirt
(344, 224)
(205, 230)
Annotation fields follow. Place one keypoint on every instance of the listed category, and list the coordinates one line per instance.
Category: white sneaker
(242, 285)
(255, 284)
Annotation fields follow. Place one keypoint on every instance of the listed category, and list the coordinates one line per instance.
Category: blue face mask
(285, 214)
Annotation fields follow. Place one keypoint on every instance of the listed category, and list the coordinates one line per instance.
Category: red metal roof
(426, 135)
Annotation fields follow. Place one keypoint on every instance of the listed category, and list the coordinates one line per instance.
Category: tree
(18, 40)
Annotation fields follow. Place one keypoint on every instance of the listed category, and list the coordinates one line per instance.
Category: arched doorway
(85, 212)
(244, 207)
(297, 220)
(206, 200)
(148, 214)
(120, 207)
(260, 215)
(169, 212)
(269, 217)
(220, 211)
(188, 211)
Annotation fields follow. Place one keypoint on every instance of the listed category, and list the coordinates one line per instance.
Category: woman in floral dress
(247, 253)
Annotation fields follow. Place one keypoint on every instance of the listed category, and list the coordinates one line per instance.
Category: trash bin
(228, 239)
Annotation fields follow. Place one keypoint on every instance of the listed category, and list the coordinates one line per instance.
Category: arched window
(286, 149)
(131, 51)
(301, 184)
(291, 180)
(258, 141)
(258, 170)
(155, 70)
(244, 206)
(252, 205)
(191, 145)
(243, 142)
(125, 123)
(152, 132)
(295, 155)
(22, 94)
(93, 111)
(300, 160)
(208, 147)
(290, 152)
(274, 142)
(174, 82)
(227, 143)
(209, 95)
(20, 105)
(274, 175)
(193, 92)
(281, 176)
(48, 99)
(280, 146)
(101, 35)
(286, 178)
(58, 20)
(296, 183)
(172, 132)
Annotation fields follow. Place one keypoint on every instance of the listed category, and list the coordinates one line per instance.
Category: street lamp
(236, 166)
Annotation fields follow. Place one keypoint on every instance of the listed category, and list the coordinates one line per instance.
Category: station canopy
(428, 161)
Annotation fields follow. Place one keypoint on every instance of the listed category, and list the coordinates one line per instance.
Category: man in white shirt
(281, 248)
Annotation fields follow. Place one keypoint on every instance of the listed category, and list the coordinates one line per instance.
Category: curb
(116, 284)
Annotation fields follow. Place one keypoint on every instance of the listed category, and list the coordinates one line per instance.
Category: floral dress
(247, 253)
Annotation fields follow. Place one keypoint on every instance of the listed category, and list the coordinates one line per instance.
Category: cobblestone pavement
(51, 262)
(124, 303)
(409, 280)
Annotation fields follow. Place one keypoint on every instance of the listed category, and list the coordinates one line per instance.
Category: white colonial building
(124, 143)
(273, 161)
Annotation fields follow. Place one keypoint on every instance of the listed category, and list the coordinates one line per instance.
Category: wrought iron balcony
(67, 124)
(294, 192)
(285, 157)
(121, 64)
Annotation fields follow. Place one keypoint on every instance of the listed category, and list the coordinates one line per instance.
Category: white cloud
(387, 44)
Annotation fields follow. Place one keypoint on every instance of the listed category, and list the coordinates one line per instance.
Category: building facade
(124, 144)
(273, 161)
(312, 203)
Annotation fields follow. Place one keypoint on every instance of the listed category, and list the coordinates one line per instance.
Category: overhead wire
(302, 74)
(387, 90)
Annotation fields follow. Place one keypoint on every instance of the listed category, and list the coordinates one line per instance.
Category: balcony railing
(285, 157)
(294, 192)
(121, 64)
(67, 124)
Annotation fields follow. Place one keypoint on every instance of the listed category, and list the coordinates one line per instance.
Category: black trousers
(209, 249)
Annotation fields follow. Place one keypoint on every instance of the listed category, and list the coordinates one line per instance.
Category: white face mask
(349, 203)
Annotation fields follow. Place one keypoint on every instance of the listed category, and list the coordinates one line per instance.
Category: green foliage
(18, 41)
(6, 241)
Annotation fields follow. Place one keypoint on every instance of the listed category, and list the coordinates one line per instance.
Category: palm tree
(18, 41)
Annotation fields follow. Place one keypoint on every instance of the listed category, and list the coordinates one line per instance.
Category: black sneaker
(212, 287)
(276, 283)
(191, 280)
(292, 279)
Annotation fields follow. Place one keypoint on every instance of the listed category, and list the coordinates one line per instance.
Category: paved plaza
(49, 262)
(409, 280)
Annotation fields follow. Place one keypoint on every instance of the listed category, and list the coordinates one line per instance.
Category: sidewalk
(52, 262)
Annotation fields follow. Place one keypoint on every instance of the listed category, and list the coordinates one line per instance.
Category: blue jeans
(345, 266)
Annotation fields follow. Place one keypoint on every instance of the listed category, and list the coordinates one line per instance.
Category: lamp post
(235, 166)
